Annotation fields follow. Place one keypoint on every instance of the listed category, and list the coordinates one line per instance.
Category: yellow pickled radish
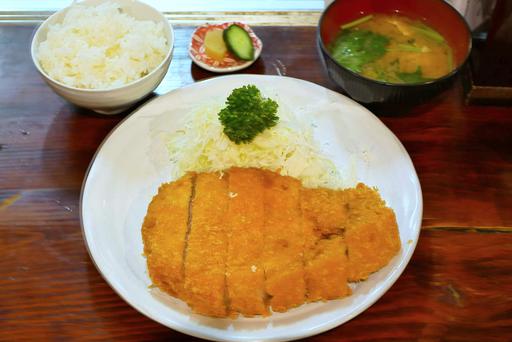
(214, 44)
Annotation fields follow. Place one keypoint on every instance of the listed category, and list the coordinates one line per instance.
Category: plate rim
(303, 334)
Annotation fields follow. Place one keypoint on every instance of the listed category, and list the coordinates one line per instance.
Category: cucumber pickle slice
(239, 42)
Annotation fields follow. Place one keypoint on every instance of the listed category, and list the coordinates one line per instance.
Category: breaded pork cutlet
(325, 257)
(248, 240)
(371, 236)
(326, 269)
(326, 208)
(284, 242)
(245, 218)
(163, 232)
(205, 257)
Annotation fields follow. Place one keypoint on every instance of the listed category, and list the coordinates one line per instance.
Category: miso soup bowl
(435, 13)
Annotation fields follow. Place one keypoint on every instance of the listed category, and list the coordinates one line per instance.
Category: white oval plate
(132, 162)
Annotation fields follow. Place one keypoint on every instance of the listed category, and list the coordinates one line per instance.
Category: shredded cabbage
(288, 148)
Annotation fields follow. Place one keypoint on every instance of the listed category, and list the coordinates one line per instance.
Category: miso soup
(392, 48)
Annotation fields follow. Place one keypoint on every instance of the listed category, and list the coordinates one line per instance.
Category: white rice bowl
(100, 47)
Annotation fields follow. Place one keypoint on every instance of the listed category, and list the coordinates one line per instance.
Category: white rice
(99, 47)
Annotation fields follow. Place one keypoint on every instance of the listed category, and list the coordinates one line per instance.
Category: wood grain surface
(458, 286)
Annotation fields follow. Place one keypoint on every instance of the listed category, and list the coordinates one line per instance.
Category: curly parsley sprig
(247, 114)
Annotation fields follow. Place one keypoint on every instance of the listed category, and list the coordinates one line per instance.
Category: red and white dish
(230, 63)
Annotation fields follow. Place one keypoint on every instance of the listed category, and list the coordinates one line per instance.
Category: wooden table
(458, 285)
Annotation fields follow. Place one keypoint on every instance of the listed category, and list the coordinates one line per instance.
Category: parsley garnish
(247, 114)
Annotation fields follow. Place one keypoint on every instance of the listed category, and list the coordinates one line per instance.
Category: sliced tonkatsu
(326, 270)
(326, 208)
(164, 234)
(283, 251)
(245, 276)
(325, 257)
(206, 248)
(249, 241)
(371, 236)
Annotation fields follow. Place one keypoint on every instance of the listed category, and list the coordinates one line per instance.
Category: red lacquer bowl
(435, 13)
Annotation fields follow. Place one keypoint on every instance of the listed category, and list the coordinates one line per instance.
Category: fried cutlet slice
(246, 285)
(326, 263)
(326, 270)
(245, 217)
(205, 258)
(326, 208)
(371, 236)
(285, 286)
(163, 232)
(283, 242)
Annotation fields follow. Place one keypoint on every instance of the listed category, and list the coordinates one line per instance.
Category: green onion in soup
(392, 48)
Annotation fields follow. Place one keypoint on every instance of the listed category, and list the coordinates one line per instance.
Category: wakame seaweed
(412, 77)
(355, 48)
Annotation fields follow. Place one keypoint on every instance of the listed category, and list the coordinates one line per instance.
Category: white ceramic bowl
(113, 100)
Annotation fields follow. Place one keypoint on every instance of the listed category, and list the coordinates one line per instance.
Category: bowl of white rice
(104, 55)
